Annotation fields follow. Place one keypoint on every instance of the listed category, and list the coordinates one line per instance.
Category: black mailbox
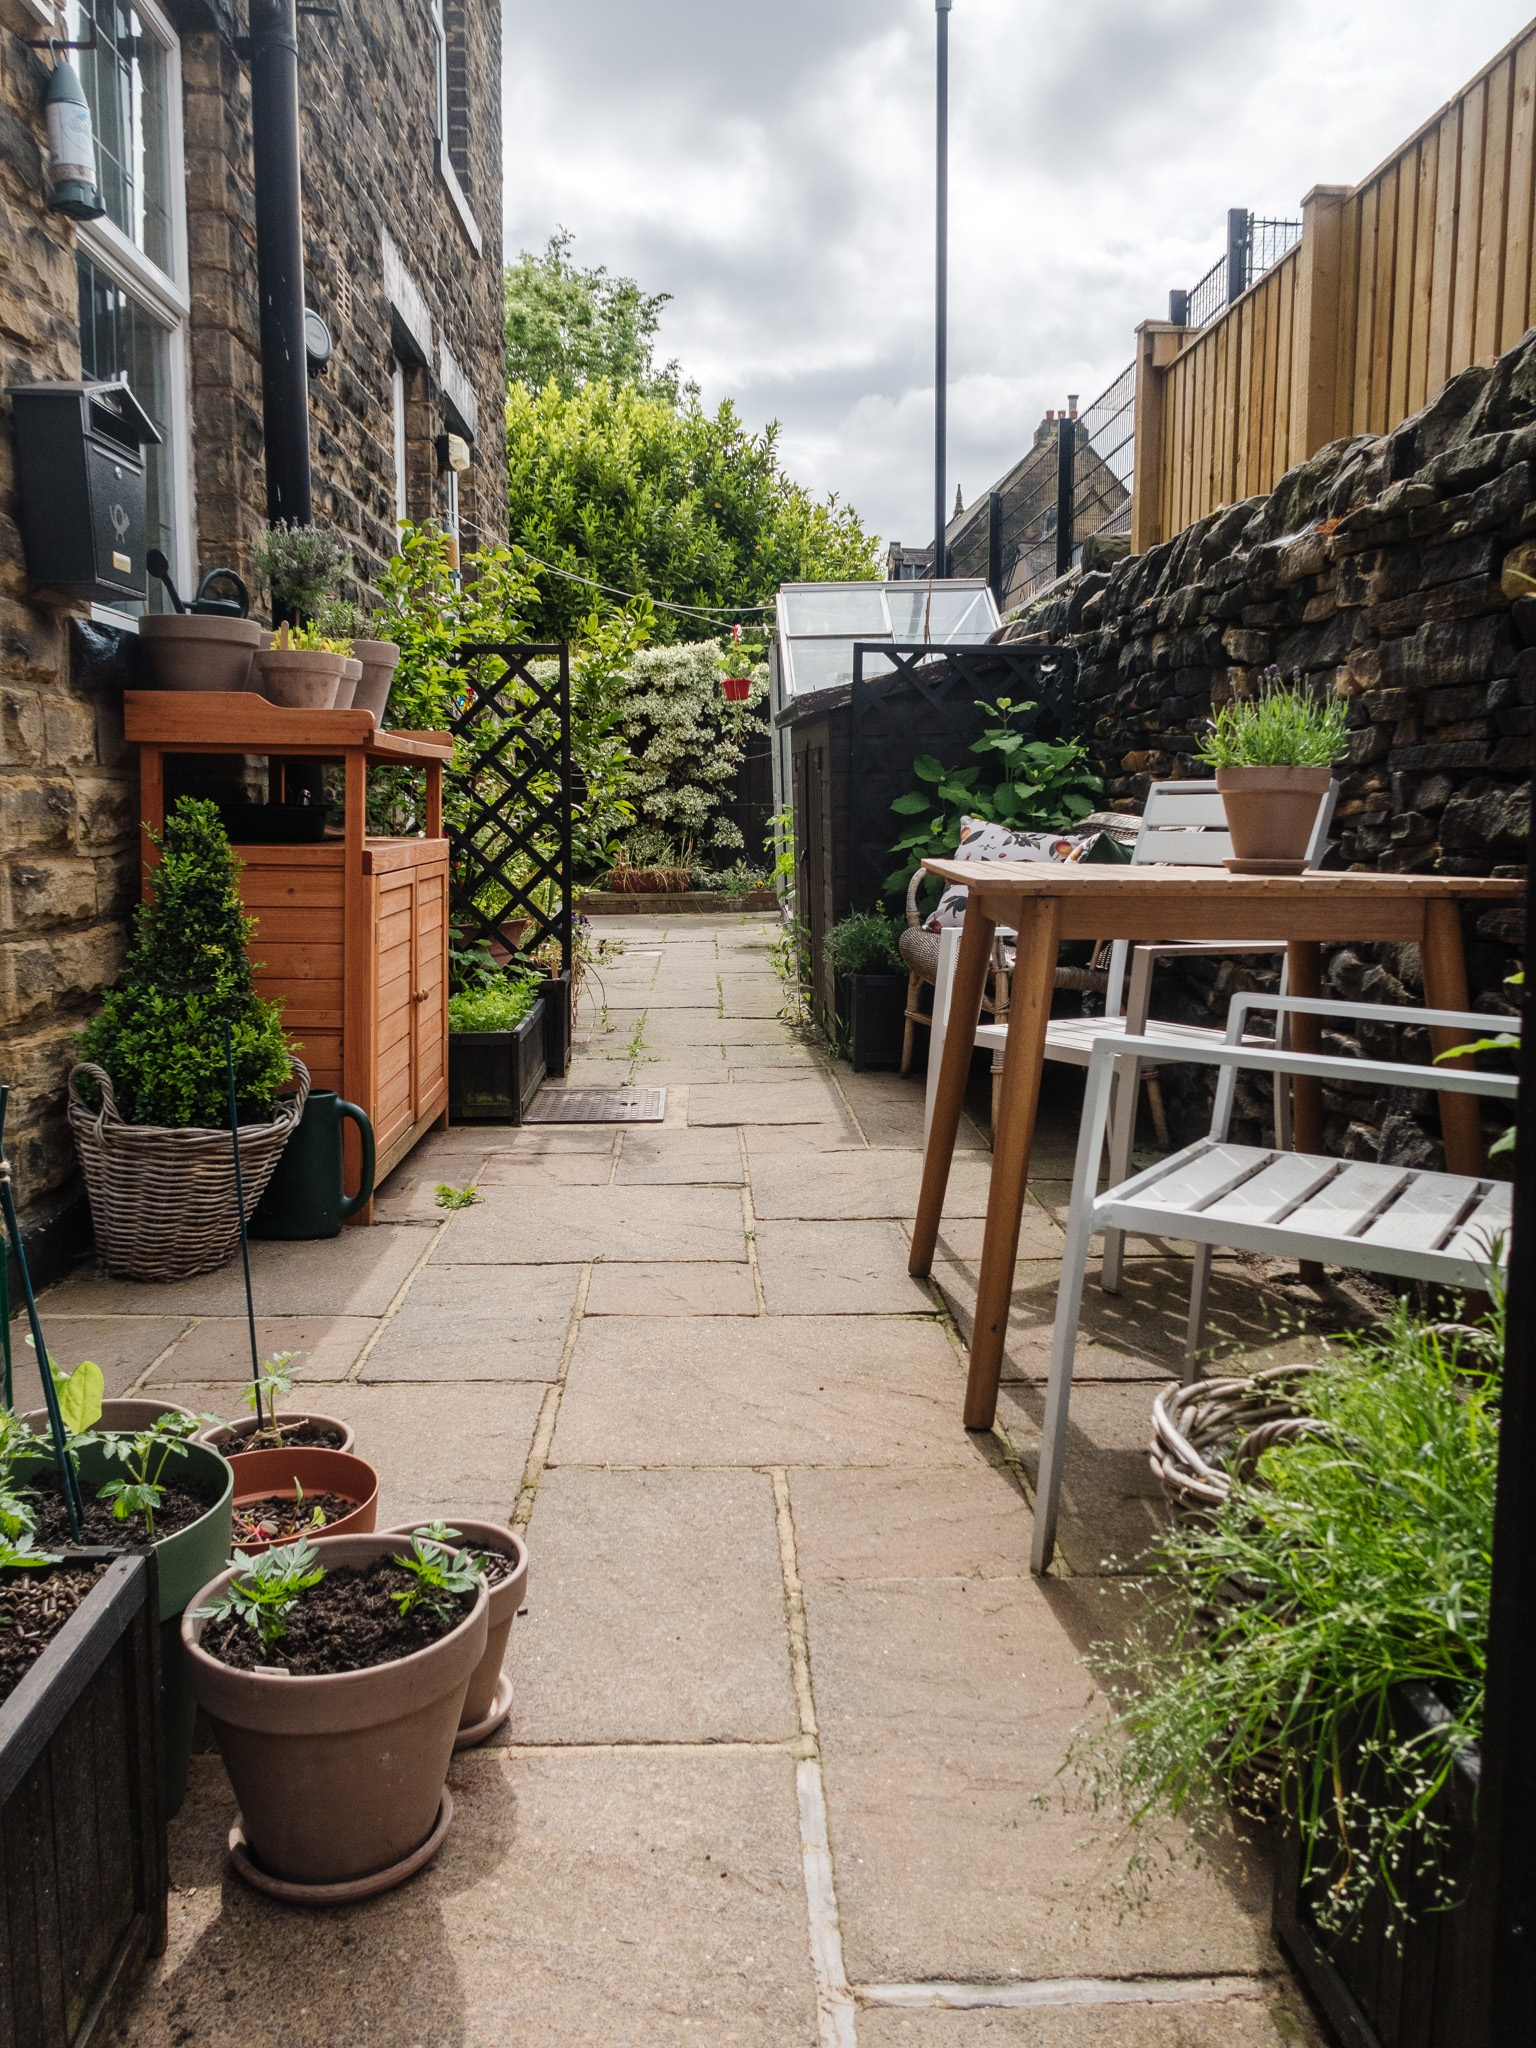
(80, 458)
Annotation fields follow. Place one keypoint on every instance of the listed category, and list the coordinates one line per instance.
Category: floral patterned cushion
(982, 841)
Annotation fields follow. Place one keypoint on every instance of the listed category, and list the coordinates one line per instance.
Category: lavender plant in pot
(1273, 754)
(334, 1681)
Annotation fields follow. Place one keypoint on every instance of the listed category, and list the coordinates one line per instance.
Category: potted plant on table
(148, 1101)
(1273, 754)
(334, 1679)
(496, 1058)
(864, 955)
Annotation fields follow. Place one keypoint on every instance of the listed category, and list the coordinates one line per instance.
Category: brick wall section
(68, 785)
(1389, 565)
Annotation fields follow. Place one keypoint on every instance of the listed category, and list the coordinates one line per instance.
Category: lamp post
(941, 293)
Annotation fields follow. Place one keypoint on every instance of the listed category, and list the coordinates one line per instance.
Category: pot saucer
(1265, 867)
(353, 1888)
(501, 1706)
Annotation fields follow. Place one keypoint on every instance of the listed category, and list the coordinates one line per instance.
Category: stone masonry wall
(1394, 567)
(69, 860)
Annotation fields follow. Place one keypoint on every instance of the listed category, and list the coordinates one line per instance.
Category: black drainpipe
(274, 52)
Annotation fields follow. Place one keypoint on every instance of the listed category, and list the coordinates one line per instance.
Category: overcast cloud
(772, 167)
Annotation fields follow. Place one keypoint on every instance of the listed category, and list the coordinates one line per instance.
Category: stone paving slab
(799, 1101)
(971, 1524)
(445, 1448)
(324, 1348)
(764, 1391)
(946, 1866)
(539, 1171)
(604, 1901)
(684, 1027)
(1111, 1504)
(1249, 2017)
(357, 1274)
(652, 1158)
(671, 1290)
(573, 1224)
(121, 1345)
(848, 1186)
(838, 1269)
(655, 1614)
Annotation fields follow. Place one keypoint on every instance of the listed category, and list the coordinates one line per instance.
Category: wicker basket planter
(1205, 1433)
(162, 1201)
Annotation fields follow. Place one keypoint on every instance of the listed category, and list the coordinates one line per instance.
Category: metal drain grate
(598, 1106)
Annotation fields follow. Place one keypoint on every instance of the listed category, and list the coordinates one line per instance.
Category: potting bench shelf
(352, 933)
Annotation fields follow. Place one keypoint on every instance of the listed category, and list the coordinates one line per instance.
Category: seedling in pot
(438, 1572)
(141, 1492)
(263, 1591)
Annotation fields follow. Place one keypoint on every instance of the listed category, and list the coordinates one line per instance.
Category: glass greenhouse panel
(858, 613)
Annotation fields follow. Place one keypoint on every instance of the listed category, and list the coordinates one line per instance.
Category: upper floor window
(128, 84)
(448, 58)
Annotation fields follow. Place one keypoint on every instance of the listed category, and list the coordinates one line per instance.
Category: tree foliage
(567, 327)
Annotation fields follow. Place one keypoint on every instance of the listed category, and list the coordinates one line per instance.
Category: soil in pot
(320, 1436)
(305, 1478)
(182, 1503)
(279, 1517)
(34, 1606)
(351, 1621)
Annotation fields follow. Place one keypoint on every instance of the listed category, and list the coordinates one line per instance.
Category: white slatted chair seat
(1396, 1220)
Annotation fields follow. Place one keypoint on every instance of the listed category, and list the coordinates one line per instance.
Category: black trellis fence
(508, 799)
(927, 699)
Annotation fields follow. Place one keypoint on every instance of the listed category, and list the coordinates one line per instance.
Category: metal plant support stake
(515, 803)
(69, 1478)
(245, 1243)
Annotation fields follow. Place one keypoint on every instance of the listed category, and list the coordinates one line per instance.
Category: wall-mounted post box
(80, 459)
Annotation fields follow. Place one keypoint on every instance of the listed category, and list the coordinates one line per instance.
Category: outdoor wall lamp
(71, 139)
(453, 452)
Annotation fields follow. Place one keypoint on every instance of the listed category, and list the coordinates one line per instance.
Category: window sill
(108, 615)
(461, 206)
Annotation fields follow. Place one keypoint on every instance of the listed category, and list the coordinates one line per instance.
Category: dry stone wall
(1402, 569)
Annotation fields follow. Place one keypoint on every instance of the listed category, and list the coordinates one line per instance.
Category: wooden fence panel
(1436, 269)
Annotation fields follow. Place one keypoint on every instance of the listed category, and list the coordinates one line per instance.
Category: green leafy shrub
(1284, 725)
(159, 1032)
(865, 943)
(501, 1007)
(1041, 786)
(1350, 1564)
(688, 740)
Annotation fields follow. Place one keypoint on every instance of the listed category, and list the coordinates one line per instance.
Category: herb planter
(227, 1437)
(489, 1698)
(1380, 1988)
(380, 659)
(341, 1778)
(184, 1561)
(261, 1474)
(1270, 814)
(494, 1075)
(303, 678)
(876, 1010)
(82, 1830)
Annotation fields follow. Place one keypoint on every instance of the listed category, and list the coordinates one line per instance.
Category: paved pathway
(788, 1703)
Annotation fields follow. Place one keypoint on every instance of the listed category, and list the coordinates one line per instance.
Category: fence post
(1066, 481)
(1314, 363)
(1157, 343)
(1239, 234)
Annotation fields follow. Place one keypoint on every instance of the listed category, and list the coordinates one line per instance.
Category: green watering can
(304, 1197)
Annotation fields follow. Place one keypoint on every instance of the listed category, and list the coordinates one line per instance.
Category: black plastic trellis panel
(529, 769)
(923, 705)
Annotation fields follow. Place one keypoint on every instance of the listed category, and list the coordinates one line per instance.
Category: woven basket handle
(103, 1081)
(305, 1084)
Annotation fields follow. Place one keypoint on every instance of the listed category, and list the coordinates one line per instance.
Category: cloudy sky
(772, 167)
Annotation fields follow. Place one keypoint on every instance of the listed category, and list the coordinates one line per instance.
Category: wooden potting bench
(352, 933)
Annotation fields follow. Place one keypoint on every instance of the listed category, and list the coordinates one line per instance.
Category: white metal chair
(1184, 825)
(1378, 1219)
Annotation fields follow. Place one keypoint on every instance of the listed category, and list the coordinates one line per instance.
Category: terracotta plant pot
(341, 1778)
(1270, 814)
(131, 1413)
(489, 1698)
(190, 652)
(303, 678)
(222, 1434)
(380, 658)
(351, 676)
(260, 1474)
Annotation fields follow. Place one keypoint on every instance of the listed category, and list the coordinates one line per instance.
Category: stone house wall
(69, 857)
(1392, 566)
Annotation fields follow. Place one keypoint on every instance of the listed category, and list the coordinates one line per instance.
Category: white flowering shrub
(687, 740)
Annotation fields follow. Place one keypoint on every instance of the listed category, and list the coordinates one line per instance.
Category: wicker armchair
(919, 949)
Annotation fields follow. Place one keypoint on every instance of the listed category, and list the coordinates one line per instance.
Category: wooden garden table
(1048, 902)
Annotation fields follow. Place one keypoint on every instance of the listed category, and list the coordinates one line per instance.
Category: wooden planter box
(875, 1006)
(494, 1075)
(82, 1834)
(1384, 1990)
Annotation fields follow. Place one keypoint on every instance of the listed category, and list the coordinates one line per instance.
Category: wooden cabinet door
(429, 1063)
(394, 956)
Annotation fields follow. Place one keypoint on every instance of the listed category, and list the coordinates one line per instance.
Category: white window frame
(397, 401)
(445, 169)
(165, 297)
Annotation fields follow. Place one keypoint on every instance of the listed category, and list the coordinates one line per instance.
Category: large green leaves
(80, 1393)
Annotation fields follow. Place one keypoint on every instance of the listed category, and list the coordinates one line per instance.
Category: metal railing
(1254, 245)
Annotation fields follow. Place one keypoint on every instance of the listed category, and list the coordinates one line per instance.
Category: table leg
(949, 1096)
(1034, 980)
(1306, 980)
(1445, 988)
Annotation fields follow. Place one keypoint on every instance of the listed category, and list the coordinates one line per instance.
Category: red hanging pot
(736, 688)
